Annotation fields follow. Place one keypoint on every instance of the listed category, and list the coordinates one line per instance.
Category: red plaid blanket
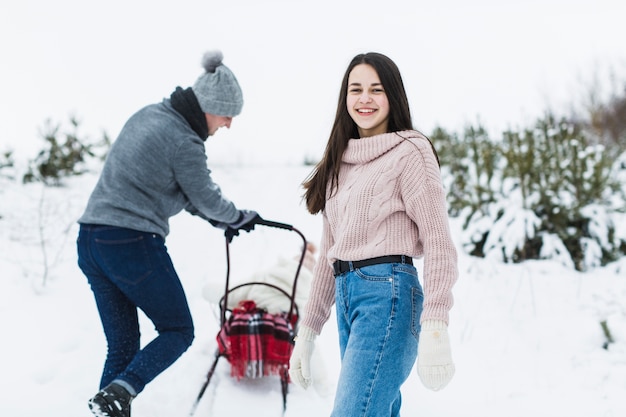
(255, 342)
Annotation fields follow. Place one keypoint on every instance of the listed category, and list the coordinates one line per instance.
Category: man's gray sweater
(155, 169)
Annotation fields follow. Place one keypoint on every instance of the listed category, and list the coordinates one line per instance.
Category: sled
(256, 343)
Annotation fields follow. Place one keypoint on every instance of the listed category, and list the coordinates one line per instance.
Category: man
(155, 169)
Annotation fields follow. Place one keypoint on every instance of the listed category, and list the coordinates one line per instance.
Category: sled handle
(277, 225)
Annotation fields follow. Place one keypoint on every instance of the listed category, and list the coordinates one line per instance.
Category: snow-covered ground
(526, 338)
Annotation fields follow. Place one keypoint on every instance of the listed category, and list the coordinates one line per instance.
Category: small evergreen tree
(453, 159)
(6, 165)
(471, 164)
(543, 192)
(66, 154)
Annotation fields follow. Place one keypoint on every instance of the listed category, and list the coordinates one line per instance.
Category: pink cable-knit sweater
(390, 201)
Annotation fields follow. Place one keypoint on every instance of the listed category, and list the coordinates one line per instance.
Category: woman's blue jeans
(130, 270)
(378, 316)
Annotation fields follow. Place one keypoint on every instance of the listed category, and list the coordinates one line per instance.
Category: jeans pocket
(125, 258)
(378, 272)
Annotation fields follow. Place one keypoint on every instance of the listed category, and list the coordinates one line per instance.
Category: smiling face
(367, 101)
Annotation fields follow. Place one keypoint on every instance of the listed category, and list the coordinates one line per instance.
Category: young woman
(379, 190)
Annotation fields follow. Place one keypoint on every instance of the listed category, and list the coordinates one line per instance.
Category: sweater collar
(363, 150)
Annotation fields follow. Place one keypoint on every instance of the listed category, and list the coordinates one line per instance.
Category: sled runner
(255, 342)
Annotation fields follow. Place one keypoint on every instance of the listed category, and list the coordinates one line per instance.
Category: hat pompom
(211, 60)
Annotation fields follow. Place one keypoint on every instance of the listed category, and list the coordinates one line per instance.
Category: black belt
(344, 266)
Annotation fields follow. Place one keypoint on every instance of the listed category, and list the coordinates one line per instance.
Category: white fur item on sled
(282, 275)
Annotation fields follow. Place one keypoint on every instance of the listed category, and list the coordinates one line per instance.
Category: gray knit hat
(217, 90)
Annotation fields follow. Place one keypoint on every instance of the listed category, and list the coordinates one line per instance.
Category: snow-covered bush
(66, 154)
(546, 192)
(7, 169)
(470, 167)
(7, 165)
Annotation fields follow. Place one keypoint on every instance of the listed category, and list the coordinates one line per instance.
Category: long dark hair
(326, 172)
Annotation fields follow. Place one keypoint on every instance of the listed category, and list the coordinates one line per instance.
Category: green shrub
(546, 192)
(65, 154)
(6, 165)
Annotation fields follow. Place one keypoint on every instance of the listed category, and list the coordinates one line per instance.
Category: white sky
(460, 61)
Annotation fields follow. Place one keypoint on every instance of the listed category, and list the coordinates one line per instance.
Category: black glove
(246, 221)
(219, 225)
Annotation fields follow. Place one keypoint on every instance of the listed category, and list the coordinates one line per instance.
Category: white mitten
(434, 359)
(300, 362)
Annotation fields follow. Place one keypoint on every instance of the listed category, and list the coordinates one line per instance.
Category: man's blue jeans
(378, 313)
(127, 270)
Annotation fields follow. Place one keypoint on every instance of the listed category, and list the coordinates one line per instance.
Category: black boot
(112, 401)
